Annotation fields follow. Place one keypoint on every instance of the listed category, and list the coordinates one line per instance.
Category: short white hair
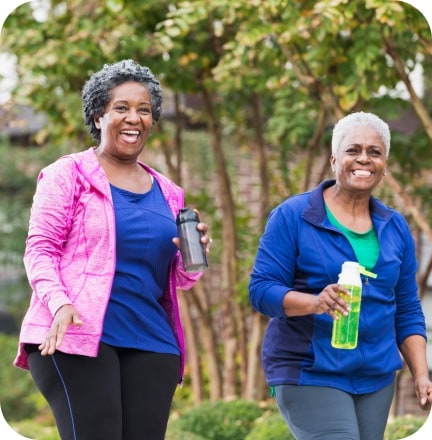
(343, 126)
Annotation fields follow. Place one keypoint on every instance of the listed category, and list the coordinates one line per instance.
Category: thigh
(83, 393)
(148, 382)
(372, 412)
(314, 412)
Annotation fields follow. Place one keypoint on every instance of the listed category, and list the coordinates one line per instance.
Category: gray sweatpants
(324, 413)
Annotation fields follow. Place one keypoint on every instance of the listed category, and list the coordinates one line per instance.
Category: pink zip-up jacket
(70, 254)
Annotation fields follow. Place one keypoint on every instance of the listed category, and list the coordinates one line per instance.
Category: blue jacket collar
(315, 211)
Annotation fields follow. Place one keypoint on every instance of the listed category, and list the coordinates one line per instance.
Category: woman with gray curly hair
(102, 336)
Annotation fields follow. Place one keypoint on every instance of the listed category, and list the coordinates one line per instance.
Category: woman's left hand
(423, 389)
(205, 237)
(413, 350)
(65, 316)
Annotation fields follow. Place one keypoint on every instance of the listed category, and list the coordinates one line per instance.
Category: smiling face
(127, 121)
(360, 161)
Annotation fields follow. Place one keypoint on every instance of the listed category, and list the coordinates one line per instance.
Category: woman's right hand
(65, 316)
(329, 301)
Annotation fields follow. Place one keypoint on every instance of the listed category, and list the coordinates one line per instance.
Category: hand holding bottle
(193, 251)
(345, 328)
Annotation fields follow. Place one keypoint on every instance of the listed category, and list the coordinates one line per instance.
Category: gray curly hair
(97, 90)
(342, 127)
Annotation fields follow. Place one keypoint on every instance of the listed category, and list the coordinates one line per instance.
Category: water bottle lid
(186, 215)
(350, 265)
(354, 265)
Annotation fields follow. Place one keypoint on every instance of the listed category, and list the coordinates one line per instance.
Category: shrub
(36, 430)
(272, 427)
(173, 434)
(403, 427)
(19, 395)
(219, 420)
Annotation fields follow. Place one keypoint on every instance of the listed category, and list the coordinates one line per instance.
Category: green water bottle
(345, 329)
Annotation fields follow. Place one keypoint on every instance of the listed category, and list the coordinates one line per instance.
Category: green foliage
(241, 420)
(19, 167)
(13, 174)
(174, 434)
(403, 427)
(293, 58)
(56, 55)
(19, 397)
(15, 193)
(272, 427)
(36, 430)
(219, 420)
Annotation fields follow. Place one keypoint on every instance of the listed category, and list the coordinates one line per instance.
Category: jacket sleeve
(185, 280)
(273, 271)
(49, 224)
(409, 319)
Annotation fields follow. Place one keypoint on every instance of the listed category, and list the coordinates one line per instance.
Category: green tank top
(365, 245)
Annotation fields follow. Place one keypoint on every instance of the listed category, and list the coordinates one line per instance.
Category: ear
(332, 163)
(96, 121)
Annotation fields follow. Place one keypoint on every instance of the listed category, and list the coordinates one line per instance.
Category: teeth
(361, 173)
(130, 132)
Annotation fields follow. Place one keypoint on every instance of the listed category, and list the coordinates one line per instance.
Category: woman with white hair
(324, 392)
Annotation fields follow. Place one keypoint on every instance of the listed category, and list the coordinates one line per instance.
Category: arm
(49, 226)
(413, 350)
(48, 229)
(271, 287)
(410, 322)
(328, 301)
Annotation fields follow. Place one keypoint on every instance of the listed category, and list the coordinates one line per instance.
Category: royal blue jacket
(301, 250)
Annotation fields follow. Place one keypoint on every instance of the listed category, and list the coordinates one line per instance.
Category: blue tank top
(145, 227)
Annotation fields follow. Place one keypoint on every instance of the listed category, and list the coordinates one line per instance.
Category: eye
(352, 150)
(120, 108)
(375, 153)
(144, 110)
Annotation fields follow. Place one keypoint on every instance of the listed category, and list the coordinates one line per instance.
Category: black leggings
(122, 394)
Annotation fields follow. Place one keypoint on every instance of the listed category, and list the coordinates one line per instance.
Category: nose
(132, 116)
(363, 155)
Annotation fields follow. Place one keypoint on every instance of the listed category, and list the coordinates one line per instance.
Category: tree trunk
(174, 167)
(263, 163)
(193, 357)
(313, 145)
(208, 338)
(409, 205)
(416, 102)
(255, 378)
(253, 388)
(229, 246)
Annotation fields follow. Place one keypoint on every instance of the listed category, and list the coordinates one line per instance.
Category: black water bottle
(191, 248)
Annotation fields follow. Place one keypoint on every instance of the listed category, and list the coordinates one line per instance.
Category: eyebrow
(124, 101)
(368, 146)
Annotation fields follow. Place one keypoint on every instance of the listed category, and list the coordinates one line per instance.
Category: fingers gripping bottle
(345, 329)
(191, 248)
